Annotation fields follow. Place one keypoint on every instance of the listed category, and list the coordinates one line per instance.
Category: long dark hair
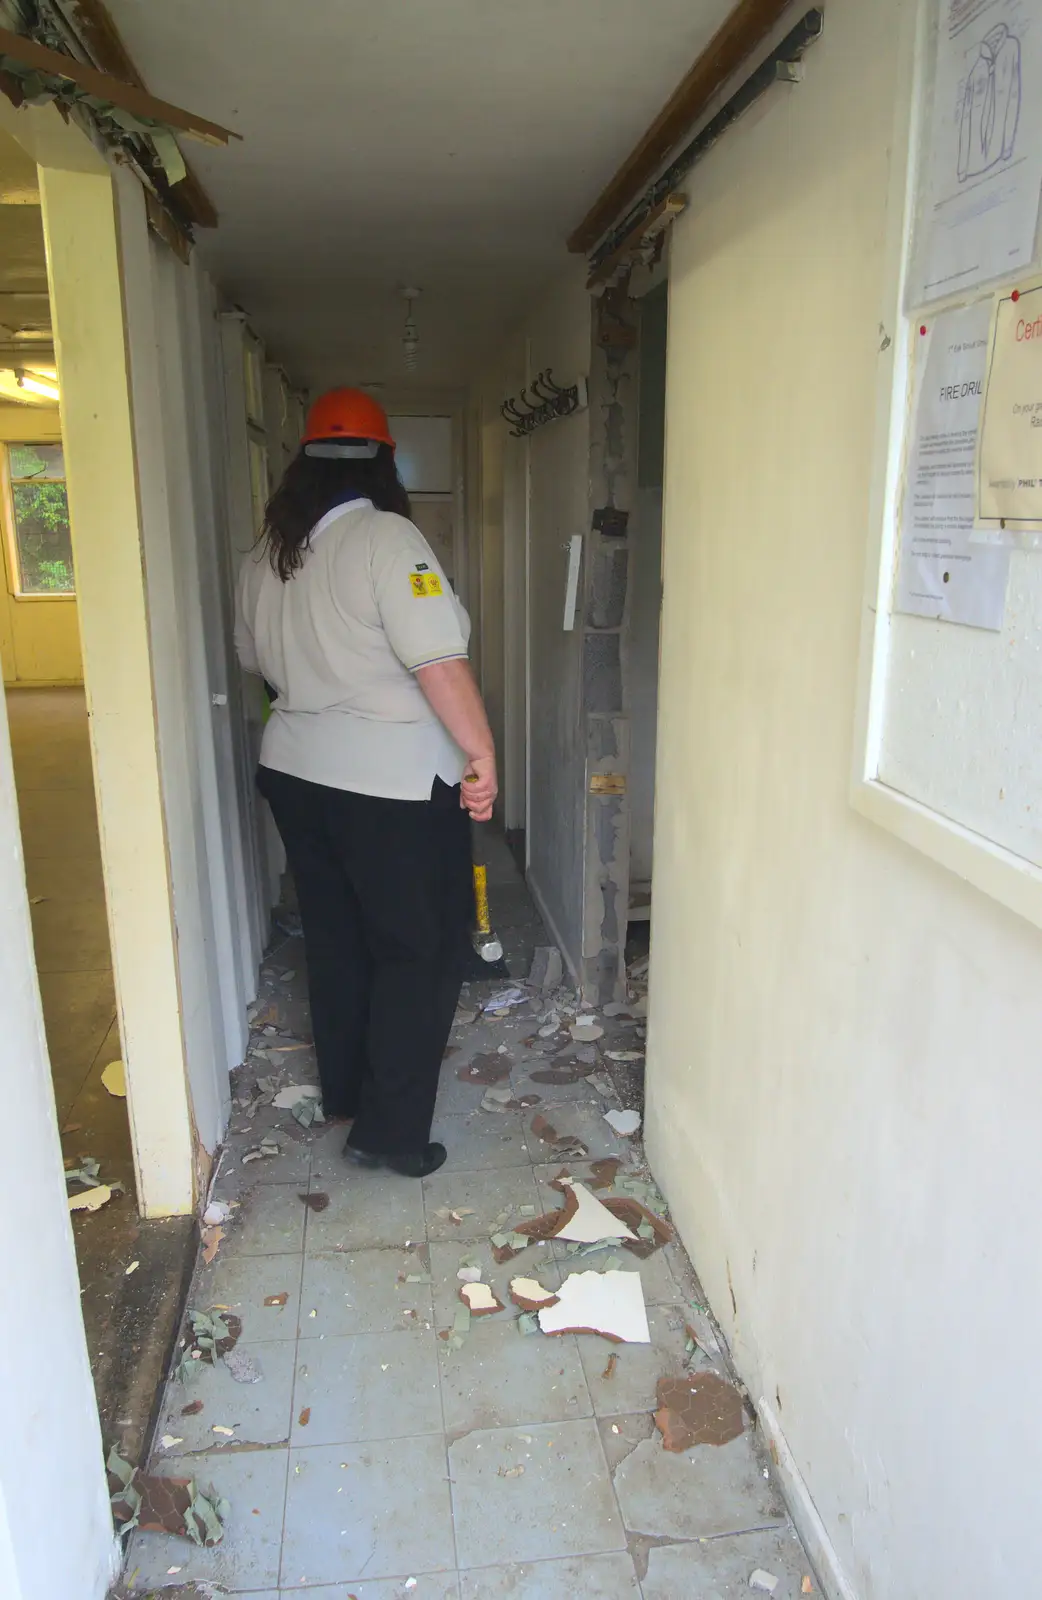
(311, 486)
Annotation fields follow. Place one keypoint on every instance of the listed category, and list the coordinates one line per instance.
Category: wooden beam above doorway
(746, 27)
(102, 41)
(127, 96)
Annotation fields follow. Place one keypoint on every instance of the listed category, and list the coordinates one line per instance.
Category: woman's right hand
(479, 788)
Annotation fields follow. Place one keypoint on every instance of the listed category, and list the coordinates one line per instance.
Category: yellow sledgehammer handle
(481, 900)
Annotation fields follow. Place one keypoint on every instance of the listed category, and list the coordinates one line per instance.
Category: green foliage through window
(41, 518)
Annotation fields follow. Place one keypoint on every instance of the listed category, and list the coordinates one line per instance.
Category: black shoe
(419, 1165)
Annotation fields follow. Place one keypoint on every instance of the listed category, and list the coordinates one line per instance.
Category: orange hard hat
(347, 414)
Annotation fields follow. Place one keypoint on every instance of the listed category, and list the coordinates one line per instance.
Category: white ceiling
(448, 143)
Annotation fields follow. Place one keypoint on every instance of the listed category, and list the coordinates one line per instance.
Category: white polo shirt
(340, 640)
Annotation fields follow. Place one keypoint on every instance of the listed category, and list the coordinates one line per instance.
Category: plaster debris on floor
(610, 1304)
(114, 1079)
(489, 1381)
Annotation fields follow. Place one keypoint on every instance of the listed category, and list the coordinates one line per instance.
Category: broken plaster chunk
(547, 968)
(764, 1581)
(114, 1079)
(590, 1221)
(479, 1299)
(700, 1409)
(211, 1241)
(307, 1112)
(566, 1144)
(498, 1100)
(625, 1123)
(530, 1295)
(91, 1199)
(585, 1031)
(610, 1304)
(264, 1151)
(217, 1211)
(287, 1098)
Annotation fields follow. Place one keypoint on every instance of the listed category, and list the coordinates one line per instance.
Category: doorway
(131, 1272)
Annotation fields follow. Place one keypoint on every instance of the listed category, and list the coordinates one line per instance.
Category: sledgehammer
(486, 943)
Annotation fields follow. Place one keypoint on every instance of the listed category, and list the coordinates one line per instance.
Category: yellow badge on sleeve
(424, 583)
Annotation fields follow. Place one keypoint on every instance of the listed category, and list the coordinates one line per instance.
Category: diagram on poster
(1009, 472)
(941, 573)
(983, 160)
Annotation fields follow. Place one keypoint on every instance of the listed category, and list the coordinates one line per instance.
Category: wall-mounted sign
(1009, 469)
(983, 166)
(942, 573)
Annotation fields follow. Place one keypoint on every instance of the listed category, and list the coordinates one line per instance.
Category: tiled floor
(374, 1460)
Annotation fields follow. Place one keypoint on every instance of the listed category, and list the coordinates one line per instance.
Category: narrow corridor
(369, 1457)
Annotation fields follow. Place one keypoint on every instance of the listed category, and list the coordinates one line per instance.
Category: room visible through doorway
(131, 1272)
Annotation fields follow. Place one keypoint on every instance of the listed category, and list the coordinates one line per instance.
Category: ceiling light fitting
(35, 385)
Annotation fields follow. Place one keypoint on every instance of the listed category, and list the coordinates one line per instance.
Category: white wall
(845, 1102)
(55, 1520)
(179, 542)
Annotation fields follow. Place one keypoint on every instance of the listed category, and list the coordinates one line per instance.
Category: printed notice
(982, 168)
(941, 573)
(1009, 469)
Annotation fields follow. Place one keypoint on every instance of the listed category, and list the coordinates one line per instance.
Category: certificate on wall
(982, 165)
(941, 573)
(1009, 469)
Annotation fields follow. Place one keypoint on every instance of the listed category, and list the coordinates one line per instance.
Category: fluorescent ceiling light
(35, 385)
(11, 390)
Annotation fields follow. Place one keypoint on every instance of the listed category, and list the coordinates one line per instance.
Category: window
(39, 543)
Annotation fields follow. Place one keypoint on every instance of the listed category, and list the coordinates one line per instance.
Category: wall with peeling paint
(642, 675)
(845, 1103)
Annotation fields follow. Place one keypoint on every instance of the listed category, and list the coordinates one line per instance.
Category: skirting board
(819, 1547)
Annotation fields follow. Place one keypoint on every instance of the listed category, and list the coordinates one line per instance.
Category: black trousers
(386, 902)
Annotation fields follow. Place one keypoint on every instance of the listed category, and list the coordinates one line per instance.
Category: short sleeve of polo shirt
(417, 607)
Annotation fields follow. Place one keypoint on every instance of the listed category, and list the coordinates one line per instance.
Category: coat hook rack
(540, 401)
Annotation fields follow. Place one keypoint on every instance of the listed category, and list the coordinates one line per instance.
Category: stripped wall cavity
(613, 396)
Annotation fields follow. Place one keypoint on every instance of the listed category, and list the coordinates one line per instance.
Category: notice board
(955, 706)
